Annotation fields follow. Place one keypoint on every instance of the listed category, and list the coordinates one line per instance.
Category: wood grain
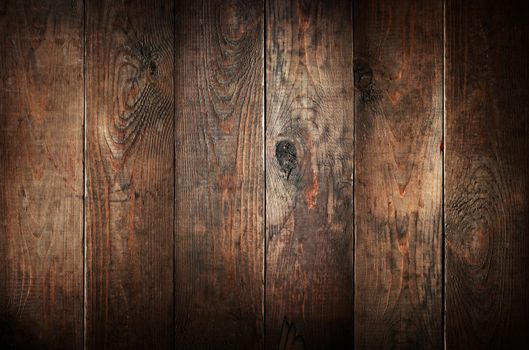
(398, 174)
(219, 171)
(487, 167)
(130, 174)
(41, 175)
(309, 162)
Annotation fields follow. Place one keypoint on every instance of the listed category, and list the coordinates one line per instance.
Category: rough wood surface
(188, 213)
(309, 162)
(487, 181)
(130, 174)
(398, 49)
(219, 173)
(41, 175)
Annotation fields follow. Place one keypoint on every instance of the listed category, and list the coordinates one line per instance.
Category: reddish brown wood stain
(41, 175)
(309, 213)
(129, 174)
(398, 50)
(219, 229)
(487, 182)
(264, 174)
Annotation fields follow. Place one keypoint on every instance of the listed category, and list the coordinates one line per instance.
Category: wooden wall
(264, 174)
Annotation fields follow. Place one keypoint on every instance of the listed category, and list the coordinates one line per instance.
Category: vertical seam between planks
(443, 229)
(84, 174)
(174, 176)
(265, 252)
(353, 173)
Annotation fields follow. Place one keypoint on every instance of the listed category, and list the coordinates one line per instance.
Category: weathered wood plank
(219, 173)
(130, 174)
(309, 165)
(487, 167)
(398, 48)
(41, 175)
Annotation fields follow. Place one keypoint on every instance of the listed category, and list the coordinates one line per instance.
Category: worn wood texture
(41, 175)
(130, 174)
(309, 162)
(219, 173)
(213, 220)
(487, 182)
(398, 48)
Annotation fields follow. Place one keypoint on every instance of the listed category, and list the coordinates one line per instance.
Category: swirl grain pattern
(219, 171)
(487, 182)
(398, 48)
(129, 174)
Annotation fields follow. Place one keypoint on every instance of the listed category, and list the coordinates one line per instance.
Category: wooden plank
(309, 162)
(130, 174)
(41, 175)
(219, 171)
(398, 48)
(487, 167)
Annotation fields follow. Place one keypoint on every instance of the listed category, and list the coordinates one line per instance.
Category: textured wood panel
(215, 220)
(130, 174)
(487, 167)
(309, 162)
(41, 175)
(219, 173)
(398, 48)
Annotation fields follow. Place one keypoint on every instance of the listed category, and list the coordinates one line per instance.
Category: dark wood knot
(363, 76)
(287, 157)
